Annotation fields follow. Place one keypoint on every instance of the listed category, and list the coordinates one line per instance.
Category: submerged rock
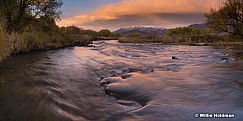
(125, 76)
(173, 57)
(109, 80)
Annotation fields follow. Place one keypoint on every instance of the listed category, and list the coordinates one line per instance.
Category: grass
(37, 40)
(196, 40)
(4, 44)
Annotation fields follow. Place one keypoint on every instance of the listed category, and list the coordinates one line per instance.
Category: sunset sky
(114, 14)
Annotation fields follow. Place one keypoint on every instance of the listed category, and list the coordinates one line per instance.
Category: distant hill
(146, 30)
(198, 26)
(141, 30)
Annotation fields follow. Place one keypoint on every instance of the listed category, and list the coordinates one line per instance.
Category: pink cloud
(146, 8)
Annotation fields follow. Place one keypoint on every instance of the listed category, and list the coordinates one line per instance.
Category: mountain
(146, 30)
(198, 26)
(141, 30)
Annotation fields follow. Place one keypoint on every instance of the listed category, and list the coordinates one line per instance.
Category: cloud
(162, 20)
(144, 12)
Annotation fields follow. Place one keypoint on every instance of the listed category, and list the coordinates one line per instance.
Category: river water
(124, 82)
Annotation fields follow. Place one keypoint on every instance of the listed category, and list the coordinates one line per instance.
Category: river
(124, 82)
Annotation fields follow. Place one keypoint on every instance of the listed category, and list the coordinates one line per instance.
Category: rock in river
(173, 57)
(227, 60)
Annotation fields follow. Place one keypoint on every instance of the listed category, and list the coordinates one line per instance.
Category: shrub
(4, 43)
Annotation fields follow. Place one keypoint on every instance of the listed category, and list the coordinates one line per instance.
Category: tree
(19, 13)
(206, 31)
(71, 30)
(104, 33)
(91, 33)
(183, 31)
(42, 24)
(228, 18)
(134, 35)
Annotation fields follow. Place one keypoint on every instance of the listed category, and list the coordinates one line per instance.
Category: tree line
(181, 31)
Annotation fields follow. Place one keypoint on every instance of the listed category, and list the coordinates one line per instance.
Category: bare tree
(228, 18)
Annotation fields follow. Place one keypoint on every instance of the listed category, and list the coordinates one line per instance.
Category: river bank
(29, 41)
(193, 40)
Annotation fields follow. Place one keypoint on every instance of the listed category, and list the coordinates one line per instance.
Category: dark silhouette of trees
(228, 18)
(183, 31)
(134, 35)
(91, 33)
(19, 13)
(70, 30)
(104, 33)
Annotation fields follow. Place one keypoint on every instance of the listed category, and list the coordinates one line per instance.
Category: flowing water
(125, 82)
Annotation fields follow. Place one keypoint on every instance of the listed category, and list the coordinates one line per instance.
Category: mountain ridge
(150, 29)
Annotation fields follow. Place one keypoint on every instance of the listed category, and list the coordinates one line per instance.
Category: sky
(115, 14)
